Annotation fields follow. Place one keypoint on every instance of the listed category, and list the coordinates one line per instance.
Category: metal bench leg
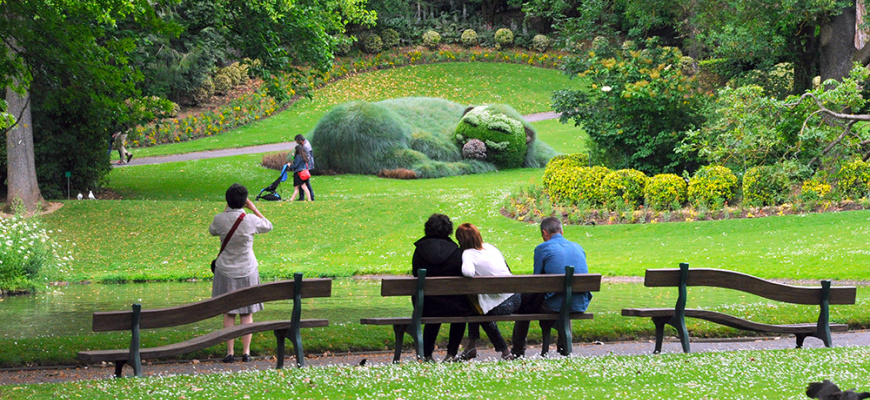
(682, 332)
(119, 368)
(799, 339)
(280, 334)
(660, 332)
(399, 331)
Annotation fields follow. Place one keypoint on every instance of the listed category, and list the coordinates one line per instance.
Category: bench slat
(670, 277)
(476, 318)
(730, 320)
(189, 313)
(438, 286)
(200, 342)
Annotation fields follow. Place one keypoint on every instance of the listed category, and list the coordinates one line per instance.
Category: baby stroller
(269, 192)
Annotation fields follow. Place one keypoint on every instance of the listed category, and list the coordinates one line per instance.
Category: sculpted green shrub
(854, 180)
(431, 39)
(712, 186)
(373, 44)
(469, 38)
(765, 185)
(505, 137)
(624, 186)
(562, 177)
(504, 37)
(390, 38)
(665, 192)
(540, 43)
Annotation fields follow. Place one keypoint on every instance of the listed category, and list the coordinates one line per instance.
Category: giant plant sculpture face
(486, 134)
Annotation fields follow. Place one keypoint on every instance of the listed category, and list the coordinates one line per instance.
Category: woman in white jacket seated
(483, 259)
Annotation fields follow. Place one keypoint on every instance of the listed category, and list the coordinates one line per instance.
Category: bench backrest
(670, 277)
(188, 313)
(455, 285)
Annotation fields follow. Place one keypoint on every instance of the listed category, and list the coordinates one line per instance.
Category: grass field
(366, 225)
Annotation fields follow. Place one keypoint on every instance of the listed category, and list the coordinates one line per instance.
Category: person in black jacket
(440, 256)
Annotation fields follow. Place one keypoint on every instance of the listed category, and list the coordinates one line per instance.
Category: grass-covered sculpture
(424, 138)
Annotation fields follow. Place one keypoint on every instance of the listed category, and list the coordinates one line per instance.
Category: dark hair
(237, 196)
(299, 138)
(551, 225)
(469, 237)
(301, 152)
(438, 226)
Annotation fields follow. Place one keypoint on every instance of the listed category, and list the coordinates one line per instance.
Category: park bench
(138, 319)
(683, 277)
(421, 286)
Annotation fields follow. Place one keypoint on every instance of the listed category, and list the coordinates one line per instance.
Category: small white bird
(91, 195)
(80, 196)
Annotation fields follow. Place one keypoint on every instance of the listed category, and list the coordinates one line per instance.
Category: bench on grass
(439, 286)
(138, 319)
(683, 277)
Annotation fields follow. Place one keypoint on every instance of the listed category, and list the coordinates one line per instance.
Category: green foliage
(390, 38)
(854, 179)
(504, 37)
(815, 190)
(766, 185)
(503, 133)
(741, 132)
(625, 186)
(469, 38)
(27, 252)
(636, 106)
(436, 146)
(431, 39)
(567, 183)
(712, 186)
(665, 192)
(540, 43)
(372, 44)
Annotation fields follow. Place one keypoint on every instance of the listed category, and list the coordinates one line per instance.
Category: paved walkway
(266, 148)
(106, 371)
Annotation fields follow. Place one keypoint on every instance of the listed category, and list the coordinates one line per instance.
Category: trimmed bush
(343, 45)
(540, 43)
(431, 39)
(712, 186)
(390, 38)
(570, 184)
(765, 186)
(469, 38)
(624, 186)
(665, 192)
(854, 180)
(373, 44)
(567, 160)
(204, 92)
(222, 83)
(504, 37)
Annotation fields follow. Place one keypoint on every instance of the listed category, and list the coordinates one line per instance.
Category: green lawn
(779, 374)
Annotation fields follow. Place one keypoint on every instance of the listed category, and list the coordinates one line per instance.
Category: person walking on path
(120, 143)
(300, 163)
(551, 257)
(236, 265)
(306, 145)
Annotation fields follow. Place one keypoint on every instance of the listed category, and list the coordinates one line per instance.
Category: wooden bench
(138, 319)
(683, 277)
(439, 286)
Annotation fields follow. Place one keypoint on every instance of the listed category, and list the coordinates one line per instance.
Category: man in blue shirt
(551, 257)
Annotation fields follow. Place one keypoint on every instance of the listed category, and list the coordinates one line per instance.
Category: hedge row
(569, 180)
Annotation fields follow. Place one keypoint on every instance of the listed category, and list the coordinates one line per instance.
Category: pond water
(68, 310)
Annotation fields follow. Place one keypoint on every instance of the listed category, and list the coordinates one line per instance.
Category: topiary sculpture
(431, 137)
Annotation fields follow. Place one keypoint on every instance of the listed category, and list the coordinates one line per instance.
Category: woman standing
(483, 259)
(300, 163)
(236, 265)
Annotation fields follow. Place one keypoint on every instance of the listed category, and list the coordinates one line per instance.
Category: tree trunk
(837, 45)
(23, 189)
(806, 56)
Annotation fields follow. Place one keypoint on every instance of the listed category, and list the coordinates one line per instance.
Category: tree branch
(822, 108)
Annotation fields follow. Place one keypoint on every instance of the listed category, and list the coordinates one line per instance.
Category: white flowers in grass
(27, 252)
